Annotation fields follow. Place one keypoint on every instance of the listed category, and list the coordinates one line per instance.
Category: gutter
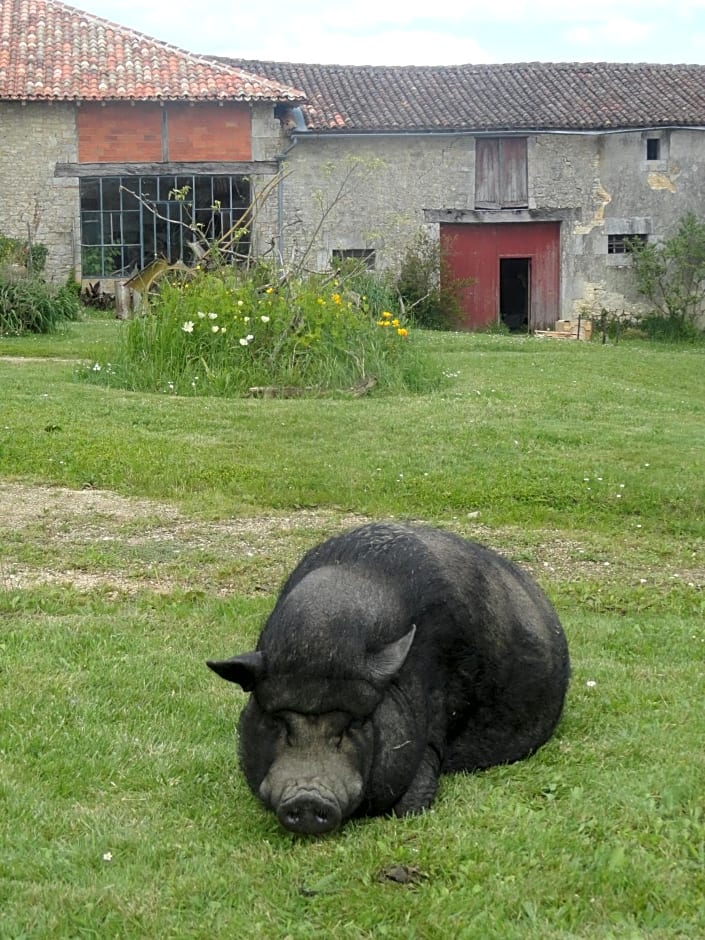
(499, 132)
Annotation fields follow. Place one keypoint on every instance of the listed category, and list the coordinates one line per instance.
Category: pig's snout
(309, 813)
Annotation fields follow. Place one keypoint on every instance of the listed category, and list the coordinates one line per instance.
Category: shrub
(221, 332)
(28, 305)
(427, 288)
(671, 275)
(15, 251)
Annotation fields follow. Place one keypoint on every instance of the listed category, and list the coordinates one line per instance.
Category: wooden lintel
(210, 168)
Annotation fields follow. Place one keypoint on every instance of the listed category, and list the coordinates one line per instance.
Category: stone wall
(370, 192)
(33, 202)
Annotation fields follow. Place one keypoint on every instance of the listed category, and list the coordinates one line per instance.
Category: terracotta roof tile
(521, 96)
(50, 51)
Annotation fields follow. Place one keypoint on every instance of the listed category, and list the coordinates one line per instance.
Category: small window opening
(622, 244)
(365, 256)
(653, 148)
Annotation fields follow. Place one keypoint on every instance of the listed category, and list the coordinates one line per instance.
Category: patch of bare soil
(156, 547)
(93, 539)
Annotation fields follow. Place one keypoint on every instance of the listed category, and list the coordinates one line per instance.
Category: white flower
(201, 315)
(96, 367)
(250, 337)
(264, 319)
(214, 329)
(107, 856)
(212, 316)
(245, 319)
(240, 303)
(188, 326)
(244, 341)
(591, 683)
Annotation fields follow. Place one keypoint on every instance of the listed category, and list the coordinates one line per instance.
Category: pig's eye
(351, 728)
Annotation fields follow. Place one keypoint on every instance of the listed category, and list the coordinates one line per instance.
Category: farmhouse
(533, 176)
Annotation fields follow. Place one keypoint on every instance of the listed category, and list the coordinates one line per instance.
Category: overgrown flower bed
(225, 331)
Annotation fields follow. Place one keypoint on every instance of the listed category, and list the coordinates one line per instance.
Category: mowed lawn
(142, 534)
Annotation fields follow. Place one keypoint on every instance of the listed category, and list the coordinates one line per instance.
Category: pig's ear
(388, 661)
(245, 669)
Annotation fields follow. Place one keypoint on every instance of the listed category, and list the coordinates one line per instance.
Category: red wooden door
(473, 253)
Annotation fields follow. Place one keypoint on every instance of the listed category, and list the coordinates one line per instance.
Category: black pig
(394, 653)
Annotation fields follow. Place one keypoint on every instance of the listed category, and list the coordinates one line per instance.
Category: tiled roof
(50, 51)
(522, 96)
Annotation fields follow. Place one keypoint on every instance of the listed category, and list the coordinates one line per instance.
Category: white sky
(422, 32)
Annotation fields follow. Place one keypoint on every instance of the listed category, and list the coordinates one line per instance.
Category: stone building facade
(375, 193)
(599, 174)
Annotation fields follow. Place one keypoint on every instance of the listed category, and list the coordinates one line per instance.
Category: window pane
(90, 228)
(110, 187)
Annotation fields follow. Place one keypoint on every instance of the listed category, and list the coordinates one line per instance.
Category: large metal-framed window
(128, 221)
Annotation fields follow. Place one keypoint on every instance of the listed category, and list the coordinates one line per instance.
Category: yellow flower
(269, 290)
(395, 322)
(402, 332)
(320, 300)
(386, 315)
(336, 298)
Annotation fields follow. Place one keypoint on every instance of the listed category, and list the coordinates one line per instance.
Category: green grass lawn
(141, 534)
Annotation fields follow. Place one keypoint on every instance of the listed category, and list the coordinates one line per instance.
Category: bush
(28, 305)
(671, 275)
(31, 257)
(222, 332)
(427, 289)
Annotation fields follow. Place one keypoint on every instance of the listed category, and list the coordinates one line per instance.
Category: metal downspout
(280, 158)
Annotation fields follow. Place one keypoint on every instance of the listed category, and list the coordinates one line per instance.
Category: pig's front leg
(422, 790)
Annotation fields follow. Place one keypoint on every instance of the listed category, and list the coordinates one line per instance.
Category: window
(127, 221)
(622, 244)
(501, 173)
(653, 148)
(366, 256)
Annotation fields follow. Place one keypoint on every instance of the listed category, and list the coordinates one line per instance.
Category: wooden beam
(259, 168)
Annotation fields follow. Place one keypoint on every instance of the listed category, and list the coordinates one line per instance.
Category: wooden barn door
(492, 259)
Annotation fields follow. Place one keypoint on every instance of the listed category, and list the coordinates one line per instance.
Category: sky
(421, 32)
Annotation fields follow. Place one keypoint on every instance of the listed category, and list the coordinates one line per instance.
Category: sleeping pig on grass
(394, 653)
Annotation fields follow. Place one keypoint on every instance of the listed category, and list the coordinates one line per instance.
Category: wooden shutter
(501, 173)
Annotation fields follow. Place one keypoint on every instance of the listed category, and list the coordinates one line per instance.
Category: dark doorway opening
(514, 282)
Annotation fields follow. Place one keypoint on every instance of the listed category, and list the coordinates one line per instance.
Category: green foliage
(426, 287)
(15, 251)
(28, 305)
(221, 332)
(671, 275)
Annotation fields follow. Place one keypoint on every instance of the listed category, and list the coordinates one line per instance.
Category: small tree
(671, 275)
